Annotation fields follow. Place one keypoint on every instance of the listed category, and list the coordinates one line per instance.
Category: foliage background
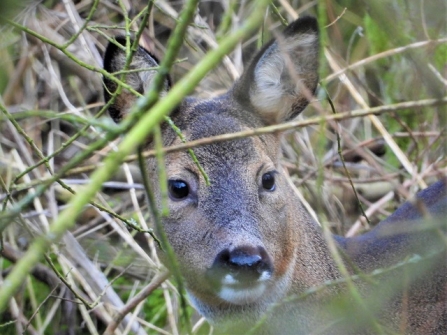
(390, 52)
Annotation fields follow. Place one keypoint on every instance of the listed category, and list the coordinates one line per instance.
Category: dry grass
(372, 58)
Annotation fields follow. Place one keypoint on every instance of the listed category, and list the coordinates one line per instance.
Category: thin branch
(280, 128)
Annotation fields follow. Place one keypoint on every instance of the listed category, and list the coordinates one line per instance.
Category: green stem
(84, 26)
(342, 159)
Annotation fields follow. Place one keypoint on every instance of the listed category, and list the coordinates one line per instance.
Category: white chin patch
(234, 292)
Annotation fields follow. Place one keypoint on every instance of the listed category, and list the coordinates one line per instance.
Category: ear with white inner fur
(141, 73)
(283, 76)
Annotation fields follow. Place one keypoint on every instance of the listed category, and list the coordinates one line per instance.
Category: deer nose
(244, 264)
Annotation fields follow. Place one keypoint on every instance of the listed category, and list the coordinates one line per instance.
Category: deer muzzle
(240, 274)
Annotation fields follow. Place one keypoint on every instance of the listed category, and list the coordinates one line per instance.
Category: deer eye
(268, 181)
(178, 189)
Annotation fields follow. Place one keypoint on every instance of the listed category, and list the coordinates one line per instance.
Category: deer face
(225, 234)
(235, 239)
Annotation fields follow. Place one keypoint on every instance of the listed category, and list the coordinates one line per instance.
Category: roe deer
(245, 244)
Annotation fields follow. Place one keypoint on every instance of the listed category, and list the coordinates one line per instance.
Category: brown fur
(243, 247)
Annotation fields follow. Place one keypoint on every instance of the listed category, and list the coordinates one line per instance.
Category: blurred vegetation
(52, 98)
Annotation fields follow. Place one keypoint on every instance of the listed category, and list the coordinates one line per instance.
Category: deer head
(240, 241)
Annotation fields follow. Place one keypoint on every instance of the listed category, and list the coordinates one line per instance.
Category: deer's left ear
(273, 84)
(140, 75)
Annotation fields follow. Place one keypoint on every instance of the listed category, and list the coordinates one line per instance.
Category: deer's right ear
(140, 76)
(283, 76)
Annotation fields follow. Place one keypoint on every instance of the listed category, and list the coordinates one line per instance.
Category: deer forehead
(198, 119)
(216, 116)
(240, 157)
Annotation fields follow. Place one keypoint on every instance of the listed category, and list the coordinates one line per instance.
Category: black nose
(245, 263)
